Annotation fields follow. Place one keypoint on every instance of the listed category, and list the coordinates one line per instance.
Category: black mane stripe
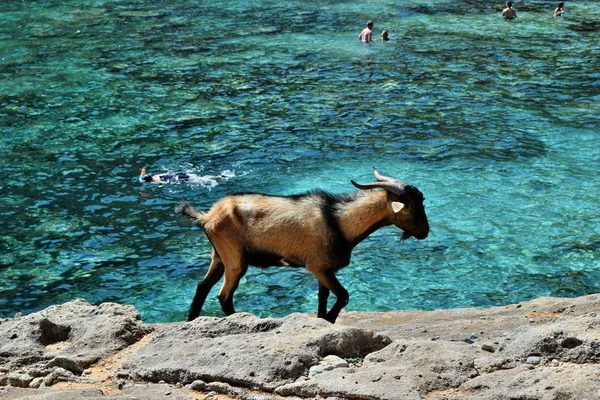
(330, 198)
(340, 246)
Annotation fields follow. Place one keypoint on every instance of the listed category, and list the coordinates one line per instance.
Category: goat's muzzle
(421, 236)
(417, 235)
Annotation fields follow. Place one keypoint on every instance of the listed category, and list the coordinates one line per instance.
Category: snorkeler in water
(166, 177)
(179, 177)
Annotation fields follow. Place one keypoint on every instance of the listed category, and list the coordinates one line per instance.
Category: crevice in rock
(352, 344)
(571, 343)
(51, 333)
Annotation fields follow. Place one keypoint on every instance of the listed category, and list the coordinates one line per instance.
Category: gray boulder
(71, 336)
(575, 339)
(243, 350)
(406, 369)
(565, 382)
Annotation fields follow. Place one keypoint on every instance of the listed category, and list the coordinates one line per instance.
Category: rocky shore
(547, 348)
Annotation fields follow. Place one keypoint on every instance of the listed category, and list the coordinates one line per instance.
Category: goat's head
(406, 205)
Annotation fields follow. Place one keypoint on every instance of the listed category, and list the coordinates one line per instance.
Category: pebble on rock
(489, 348)
(534, 360)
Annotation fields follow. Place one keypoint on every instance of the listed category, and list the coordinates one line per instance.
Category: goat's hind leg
(214, 273)
(323, 296)
(330, 281)
(235, 268)
(233, 274)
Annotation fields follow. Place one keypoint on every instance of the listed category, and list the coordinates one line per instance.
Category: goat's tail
(186, 209)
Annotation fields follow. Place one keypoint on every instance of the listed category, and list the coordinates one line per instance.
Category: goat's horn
(395, 187)
(383, 178)
(379, 177)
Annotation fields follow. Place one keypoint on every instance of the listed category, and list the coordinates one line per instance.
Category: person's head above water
(144, 177)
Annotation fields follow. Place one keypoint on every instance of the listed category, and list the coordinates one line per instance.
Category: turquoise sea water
(496, 122)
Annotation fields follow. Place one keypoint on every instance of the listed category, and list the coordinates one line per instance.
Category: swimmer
(167, 177)
(509, 12)
(560, 9)
(366, 34)
(385, 35)
(180, 177)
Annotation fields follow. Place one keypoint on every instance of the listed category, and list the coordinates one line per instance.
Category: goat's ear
(397, 206)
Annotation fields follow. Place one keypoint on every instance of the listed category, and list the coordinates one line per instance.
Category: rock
(534, 360)
(76, 365)
(122, 374)
(487, 365)
(314, 370)
(234, 392)
(59, 375)
(488, 348)
(72, 336)
(328, 363)
(301, 388)
(36, 383)
(198, 385)
(19, 379)
(332, 361)
(536, 383)
(378, 356)
(267, 353)
(423, 366)
(574, 340)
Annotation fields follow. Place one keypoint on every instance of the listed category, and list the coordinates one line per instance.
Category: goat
(316, 230)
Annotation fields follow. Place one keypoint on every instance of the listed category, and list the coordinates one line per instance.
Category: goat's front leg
(323, 296)
(330, 281)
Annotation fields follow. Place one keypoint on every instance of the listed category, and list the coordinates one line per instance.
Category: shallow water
(496, 122)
